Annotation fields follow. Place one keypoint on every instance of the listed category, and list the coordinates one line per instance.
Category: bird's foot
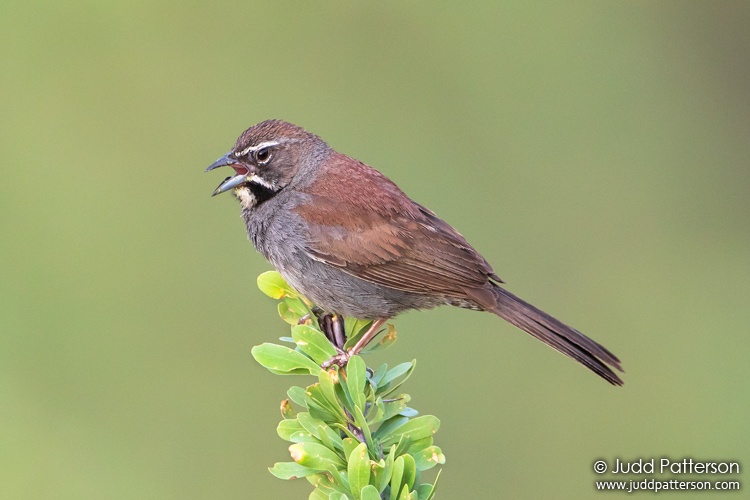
(319, 314)
(304, 319)
(343, 357)
(339, 360)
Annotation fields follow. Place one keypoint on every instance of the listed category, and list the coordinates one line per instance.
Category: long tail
(556, 334)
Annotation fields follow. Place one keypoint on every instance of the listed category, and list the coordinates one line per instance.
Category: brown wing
(365, 225)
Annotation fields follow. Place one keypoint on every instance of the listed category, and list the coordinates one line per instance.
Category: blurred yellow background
(597, 153)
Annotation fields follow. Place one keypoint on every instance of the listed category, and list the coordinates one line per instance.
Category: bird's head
(266, 158)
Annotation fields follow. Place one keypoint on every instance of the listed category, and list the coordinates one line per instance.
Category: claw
(304, 319)
(339, 360)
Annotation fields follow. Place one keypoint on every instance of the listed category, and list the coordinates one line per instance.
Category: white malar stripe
(266, 144)
(258, 180)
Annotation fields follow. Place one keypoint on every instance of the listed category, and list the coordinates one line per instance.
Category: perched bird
(346, 237)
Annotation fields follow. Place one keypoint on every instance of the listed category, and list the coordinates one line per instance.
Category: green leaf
(319, 430)
(354, 327)
(409, 412)
(321, 407)
(318, 494)
(296, 371)
(329, 482)
(359, 420)
(428, 494)
(340, 481)
(272, 284)
(377, 375)
(356, 378)
(297, 305)
(287, 428)
(321, 413)
(383, 341)
(397, 476)
(381, 475)
(386, 387)
(327, 380)
(315, 456)
(410, 471)
(338, 496)
(293, 430)
(395, 406)
(287, 314)
(390, 426)
(405, 495)
(403, 444)
(369, 492)
(309, 423)
(343, 428)
(416, 428)
(359, 329)
(323, 483)
(330, 438)
(327, 385)
(349, 445)
(428, 458)
(359, 469)
(377, 412)
(283, 360)
(290, 470)
(313, 343)
(356, 331)
(298, 395)
(419, 445)
(424, 490)
(343, 395)
(304, 437)
(396, 372)
(287, 411)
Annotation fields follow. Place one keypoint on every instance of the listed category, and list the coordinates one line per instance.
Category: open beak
(230, 182)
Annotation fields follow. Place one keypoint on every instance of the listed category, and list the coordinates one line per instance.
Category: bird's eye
(263, 155)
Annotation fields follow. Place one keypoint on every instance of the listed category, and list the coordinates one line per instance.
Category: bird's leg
(338, 331)
(332, 327)
(366, 338)
(343, 358)
(324, 322)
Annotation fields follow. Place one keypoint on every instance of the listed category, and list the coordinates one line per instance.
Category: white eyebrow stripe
(262, 145)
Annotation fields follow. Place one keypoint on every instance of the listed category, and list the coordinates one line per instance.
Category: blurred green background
(597, 153)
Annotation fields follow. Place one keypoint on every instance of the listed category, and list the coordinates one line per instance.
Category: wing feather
(387, 238)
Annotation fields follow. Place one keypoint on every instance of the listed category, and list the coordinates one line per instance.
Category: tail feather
(556, 334)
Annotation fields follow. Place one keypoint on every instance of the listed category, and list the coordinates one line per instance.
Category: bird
(346, 237)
